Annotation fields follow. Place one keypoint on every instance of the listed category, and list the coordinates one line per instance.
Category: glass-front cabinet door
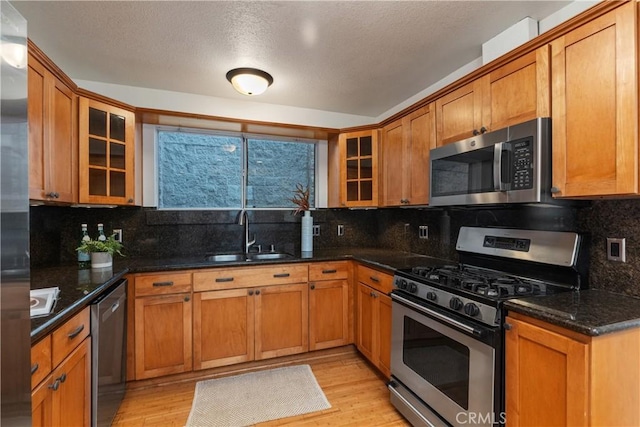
(359, 168)
(106, 153)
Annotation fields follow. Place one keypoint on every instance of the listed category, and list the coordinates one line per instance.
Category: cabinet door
(282, 320)
(106, 153)
(72, 400)
(463, 111)
(383, 303)
(420, 137)
(551, 367)
(163, 335)
(328, 314)
(41, 404)
(393, 168)
(366, 317)
(359, 169)
(519, 91)
(223, 328)
(595, 107)
(53, 149)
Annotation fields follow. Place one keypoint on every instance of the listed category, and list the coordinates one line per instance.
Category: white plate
(43, 300)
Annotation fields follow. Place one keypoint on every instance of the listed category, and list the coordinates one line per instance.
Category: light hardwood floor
(358, 395)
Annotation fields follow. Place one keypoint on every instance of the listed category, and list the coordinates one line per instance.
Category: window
(199, 170)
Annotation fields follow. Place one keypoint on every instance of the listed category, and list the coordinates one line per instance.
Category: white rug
(256, 397)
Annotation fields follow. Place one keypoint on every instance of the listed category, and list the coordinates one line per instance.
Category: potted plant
(101, 251)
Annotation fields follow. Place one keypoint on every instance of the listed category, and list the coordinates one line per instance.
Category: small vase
(307, 233)
(101, 260)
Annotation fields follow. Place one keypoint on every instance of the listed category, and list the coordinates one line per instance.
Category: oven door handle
(441, 317)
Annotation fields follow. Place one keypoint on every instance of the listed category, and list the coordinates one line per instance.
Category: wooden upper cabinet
(512, 94)
(461, 113)
(359, 169)
(520, 90)
(595, 107)
(405, 158)
(106, 154)
(53, 143)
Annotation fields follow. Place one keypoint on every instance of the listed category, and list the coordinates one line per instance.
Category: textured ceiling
(351, 57)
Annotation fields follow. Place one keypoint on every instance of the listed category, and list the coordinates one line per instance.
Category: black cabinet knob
(483, 129)
(313, 287)
(251, 292)
(476, 132)
(55, 386)
(258, 292)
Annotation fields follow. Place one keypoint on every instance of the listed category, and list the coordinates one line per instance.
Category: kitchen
(166, 234)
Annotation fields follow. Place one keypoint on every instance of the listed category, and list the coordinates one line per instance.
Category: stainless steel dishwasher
(108, 344)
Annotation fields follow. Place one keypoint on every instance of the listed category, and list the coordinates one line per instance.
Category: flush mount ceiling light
(249, 81)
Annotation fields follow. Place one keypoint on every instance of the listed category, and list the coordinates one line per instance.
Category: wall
(55, 232)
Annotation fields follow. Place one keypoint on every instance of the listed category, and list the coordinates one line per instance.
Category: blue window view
(201, 171)
(274, 168)
(197, 170)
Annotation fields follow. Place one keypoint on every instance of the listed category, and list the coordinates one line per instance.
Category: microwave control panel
(522, 164)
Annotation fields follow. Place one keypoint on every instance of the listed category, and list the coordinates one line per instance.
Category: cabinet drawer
(165, 283)
(378, 280)
(69, 336)
(328, 270)
(40, 361)
(213, 280)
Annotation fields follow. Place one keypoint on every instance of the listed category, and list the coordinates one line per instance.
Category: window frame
(150, 176)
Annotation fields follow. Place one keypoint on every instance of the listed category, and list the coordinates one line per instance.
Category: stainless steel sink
(237, 257)
(268, 256)
(226, 257)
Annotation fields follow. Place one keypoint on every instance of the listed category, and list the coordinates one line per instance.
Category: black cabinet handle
(34, 368)
(130, 201)
(160, 284)
(374, 279)
(62, 378)
(251, 292)
(483, 129)
(76, 332)
(476, 132)
(332, 271)
(55, 386)
(555, 190)
(281, 275)
(258, 292)
(53, 195)
(224, 279)
(187, 298)
(507, 326)
(371, 294)
(313, 287)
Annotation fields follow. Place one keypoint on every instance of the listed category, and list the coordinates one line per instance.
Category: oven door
(444, 362)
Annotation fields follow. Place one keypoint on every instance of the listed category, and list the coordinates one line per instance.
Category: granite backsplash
(55, 231)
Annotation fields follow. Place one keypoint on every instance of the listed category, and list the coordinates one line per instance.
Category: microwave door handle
(502, 166)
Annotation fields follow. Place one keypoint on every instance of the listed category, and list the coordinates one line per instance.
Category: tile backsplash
(55, 231)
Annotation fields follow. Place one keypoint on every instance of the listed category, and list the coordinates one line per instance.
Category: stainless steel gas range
(447, 348)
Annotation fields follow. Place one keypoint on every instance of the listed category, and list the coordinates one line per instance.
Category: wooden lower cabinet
(328, 314)
(240, 325)
(576, 380)
(64, 397)
(163, 335)
(373, 334)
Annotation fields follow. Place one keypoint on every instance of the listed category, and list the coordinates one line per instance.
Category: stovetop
(473, 292)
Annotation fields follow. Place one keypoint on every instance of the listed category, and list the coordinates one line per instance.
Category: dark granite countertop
(590, 312)
(79, 287)
(381, 258)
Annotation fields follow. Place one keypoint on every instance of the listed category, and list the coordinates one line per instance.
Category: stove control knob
(471, 309)
(402, 284)
(413, 288)
(432, 296)
(455, 303)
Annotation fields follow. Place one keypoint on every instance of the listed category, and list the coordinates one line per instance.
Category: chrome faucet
(243, 219)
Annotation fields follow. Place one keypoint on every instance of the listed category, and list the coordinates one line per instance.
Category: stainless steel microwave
(510, 165)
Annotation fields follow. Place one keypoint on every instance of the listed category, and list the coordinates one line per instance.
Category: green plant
(300, 199)
(110, 245)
